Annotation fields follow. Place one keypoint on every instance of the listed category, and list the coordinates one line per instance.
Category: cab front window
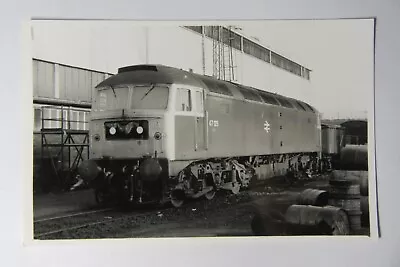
(149, 97)
(131, 97)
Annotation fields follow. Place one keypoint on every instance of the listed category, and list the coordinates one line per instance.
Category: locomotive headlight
(139, 129)
(157, 135)
(112, 130)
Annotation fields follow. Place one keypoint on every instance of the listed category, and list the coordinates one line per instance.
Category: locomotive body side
(248, 128)
(231, 126)
(236, 140)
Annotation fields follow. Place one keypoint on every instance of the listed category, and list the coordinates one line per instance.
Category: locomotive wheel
(177, 198)
(210, 195)
(177, 203)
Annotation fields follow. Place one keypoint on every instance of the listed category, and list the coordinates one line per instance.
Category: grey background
(16, 137)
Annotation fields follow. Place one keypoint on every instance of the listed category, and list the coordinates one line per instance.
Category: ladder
(216, 33)
(229, 67)
(223, 55)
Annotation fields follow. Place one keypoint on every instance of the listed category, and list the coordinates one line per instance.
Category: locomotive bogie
(235, 174)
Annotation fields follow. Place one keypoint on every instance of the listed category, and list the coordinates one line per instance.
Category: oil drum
(307, 216)
(353, 176)
(356, 177)
(364, 185)
(313, 197)
(365, 211)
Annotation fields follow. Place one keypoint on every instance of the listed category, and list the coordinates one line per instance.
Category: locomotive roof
(143, 74)
(146, 74)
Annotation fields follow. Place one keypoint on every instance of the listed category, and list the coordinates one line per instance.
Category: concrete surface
(51, 205)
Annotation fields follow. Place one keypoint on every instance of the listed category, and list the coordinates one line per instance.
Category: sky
(339, 52)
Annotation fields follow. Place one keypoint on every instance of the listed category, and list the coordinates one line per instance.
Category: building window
(265, 54)
(183, 100)
(37, 119)
(85, 120)
(232, 39)
(198, 29)
(249, 47)
(224, 35)
(256, 50)
(277, 60)
(74, 125)
(212, 32)
(286, 64)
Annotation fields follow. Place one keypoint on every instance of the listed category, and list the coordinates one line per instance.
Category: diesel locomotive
(159, 134)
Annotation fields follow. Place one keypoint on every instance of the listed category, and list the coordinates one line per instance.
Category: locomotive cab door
(190, 124)
(200, 123)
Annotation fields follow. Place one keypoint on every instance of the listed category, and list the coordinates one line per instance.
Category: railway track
(102, 222)
(71, 215)
(55, 226)
(69, 226)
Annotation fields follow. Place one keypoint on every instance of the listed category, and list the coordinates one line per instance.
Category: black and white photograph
(167, 129)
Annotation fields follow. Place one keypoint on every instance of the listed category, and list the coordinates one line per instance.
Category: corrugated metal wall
(43, 79)
(56, 81)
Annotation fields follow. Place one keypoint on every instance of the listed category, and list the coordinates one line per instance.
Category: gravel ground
(225, 215)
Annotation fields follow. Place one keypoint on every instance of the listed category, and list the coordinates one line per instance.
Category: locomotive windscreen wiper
(113, 91)
(148, 92)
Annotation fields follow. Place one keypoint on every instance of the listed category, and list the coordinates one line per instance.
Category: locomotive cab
(132, 134)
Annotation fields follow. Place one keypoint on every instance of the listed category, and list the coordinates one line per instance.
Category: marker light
(157, 135)
(112, 130)
(139, 129)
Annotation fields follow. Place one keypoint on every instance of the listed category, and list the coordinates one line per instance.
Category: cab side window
(183, 100)
(199, 101)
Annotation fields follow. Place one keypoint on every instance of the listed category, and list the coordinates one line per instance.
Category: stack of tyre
(364, 199)
(349, 191)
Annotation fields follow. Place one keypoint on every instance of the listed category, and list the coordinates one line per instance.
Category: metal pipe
(206, 128)
(131, 180)
(196, 122)
(147, 44)
(203, 50)
(60, 102)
